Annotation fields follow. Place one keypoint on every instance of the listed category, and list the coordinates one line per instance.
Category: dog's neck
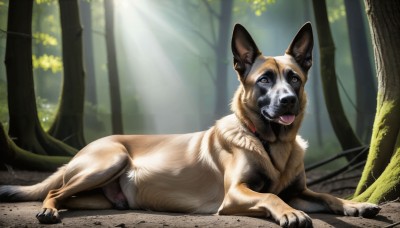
(265, 130)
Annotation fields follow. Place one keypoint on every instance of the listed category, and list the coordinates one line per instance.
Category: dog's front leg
(310, 201)
(240, 200)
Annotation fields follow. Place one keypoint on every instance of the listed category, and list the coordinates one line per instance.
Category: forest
(78, 70)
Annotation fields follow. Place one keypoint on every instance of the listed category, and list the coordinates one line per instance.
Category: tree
(221, 51)
(17, 157)
(86, 15)
(365, 86)
(68, 124)
(340, 123)
(24, 125)
(116, 109)
(380, 180)
(217, 42)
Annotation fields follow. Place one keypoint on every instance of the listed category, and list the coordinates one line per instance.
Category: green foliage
(46, 112)
(336, 10)
(47, 62)
(259, 6)
(45, 39)
(48, 2)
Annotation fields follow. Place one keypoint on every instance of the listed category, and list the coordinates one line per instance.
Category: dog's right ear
(244, 50)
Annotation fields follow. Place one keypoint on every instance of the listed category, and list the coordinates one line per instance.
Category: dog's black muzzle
(283, 110)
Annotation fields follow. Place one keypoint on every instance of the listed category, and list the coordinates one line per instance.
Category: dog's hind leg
(92, 168)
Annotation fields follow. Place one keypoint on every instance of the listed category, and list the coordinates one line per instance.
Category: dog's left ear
(244, 50)
(301, 47)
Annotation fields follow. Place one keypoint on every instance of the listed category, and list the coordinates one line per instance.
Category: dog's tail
(13, 193)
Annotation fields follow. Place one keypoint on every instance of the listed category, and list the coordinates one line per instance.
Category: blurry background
(174, 63)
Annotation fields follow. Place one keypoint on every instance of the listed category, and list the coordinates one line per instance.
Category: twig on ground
(342, 179)
(338, 171)
(392, 225)
(339, 155)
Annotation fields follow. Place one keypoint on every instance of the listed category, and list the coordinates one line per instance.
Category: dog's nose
(288, 100)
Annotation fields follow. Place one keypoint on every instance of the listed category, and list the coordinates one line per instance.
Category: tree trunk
(340, 123)
(39, 74)
(25, 128)
(380, 180)
(365, 85)
(91, 118)
(68, 124)
(86, 15)
(17, 157)
(221, 85)
(316, 87)
(116, 109)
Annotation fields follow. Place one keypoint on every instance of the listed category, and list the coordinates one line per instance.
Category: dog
(249, 163)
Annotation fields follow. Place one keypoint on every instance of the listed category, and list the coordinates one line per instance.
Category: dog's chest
(260, 181)
(280, 172)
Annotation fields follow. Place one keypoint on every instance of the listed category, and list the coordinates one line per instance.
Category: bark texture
(380, 180)
(11, 154)
(25, 128)
(68, 124)
(339, 121)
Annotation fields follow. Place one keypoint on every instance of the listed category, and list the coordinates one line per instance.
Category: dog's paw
(295, 218)
(367, 210)
(48, 216)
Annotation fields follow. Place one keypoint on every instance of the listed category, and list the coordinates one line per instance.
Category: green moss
(384, 137)
(386, 187)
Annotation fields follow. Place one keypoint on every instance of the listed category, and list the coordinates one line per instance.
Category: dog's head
(273, 86)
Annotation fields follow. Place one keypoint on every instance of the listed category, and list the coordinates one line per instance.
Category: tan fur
(221, 170)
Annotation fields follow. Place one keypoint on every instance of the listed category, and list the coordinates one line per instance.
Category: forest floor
(23, 214)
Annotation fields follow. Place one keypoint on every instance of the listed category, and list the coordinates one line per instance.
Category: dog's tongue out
(286, 119)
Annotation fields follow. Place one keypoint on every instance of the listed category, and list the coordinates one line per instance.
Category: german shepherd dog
(249, 163)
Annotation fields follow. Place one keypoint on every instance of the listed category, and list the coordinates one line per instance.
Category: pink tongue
(287, 119)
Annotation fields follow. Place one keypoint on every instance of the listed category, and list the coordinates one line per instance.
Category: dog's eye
(294, 79)
(265, 80)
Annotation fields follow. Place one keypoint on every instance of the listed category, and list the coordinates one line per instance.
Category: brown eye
(265, 80)
(294, 79)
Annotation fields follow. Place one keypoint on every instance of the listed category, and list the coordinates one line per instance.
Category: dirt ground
(23, 214)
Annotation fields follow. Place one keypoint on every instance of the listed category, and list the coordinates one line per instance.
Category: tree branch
(339, 155)
(340, 170)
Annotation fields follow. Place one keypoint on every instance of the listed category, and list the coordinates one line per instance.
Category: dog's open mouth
(285, 119)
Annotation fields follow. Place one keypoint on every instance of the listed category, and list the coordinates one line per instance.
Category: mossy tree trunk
(380, 180)
(339, 121)
(68, 124)
(11, 154)
(115, 94)
(24, 125)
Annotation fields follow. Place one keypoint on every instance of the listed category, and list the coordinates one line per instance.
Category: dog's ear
(301, 47)
(244, 50)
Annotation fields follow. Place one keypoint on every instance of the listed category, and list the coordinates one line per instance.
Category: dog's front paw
(48, 216)
(367, 210)
(295, 218)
